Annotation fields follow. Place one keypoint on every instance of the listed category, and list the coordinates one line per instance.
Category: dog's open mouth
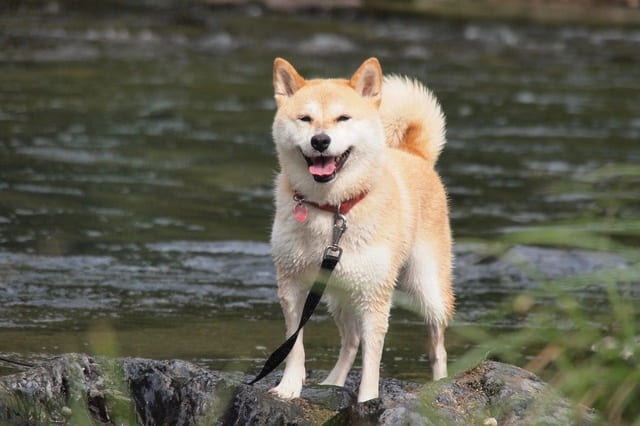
(324, 168)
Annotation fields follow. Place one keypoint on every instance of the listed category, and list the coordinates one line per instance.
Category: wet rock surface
(521, 266)
(77, 388)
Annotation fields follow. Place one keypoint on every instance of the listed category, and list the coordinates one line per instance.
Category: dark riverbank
(79, 389)
(587, 12)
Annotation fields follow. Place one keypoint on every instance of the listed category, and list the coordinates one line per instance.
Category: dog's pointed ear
(286, 80)
(367, 80)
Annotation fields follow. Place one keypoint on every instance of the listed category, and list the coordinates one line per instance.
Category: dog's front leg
(349, 328)
(292, 297)
(374, 328)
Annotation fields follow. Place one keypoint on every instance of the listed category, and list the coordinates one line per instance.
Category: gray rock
(79, 389)
(560, 263)
(511, 395)
(521, 267)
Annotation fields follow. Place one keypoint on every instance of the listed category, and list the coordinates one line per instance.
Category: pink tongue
(322, 166)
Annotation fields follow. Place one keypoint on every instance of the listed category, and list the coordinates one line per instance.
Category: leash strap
(330, 259)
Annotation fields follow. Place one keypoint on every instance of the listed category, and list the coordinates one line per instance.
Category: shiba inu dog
(365, 147)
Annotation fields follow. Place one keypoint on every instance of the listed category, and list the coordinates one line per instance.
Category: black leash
(16, 362)
(330, 259)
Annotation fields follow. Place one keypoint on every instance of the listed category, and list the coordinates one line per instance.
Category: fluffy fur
(385, 137)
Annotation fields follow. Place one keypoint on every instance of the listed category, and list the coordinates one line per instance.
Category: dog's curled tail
(412, 118)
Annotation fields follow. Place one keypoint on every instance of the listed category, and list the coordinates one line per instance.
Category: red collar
(344, 208)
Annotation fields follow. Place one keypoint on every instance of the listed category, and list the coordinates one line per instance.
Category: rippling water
(136, 164)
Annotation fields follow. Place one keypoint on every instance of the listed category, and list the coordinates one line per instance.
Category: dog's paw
(288, 388)
(285, 392)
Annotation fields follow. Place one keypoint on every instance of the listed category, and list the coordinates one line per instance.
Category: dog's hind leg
(350, 340)
(427, 278)
(292, 297)
(437, 351)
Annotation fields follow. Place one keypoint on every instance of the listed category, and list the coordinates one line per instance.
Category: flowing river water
(136, 166)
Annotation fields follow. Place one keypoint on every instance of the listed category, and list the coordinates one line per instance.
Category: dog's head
(327, 131)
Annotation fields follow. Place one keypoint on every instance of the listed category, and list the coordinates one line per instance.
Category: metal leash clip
(334, 251)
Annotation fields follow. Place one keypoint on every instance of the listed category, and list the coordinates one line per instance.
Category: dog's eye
(305, 118)
(343, 117)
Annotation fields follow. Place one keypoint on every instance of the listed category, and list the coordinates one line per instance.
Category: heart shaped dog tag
(300, 212)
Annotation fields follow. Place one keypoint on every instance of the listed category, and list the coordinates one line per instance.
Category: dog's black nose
(320, 142)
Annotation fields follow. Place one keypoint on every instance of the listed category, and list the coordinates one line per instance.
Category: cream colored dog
(369, 143)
